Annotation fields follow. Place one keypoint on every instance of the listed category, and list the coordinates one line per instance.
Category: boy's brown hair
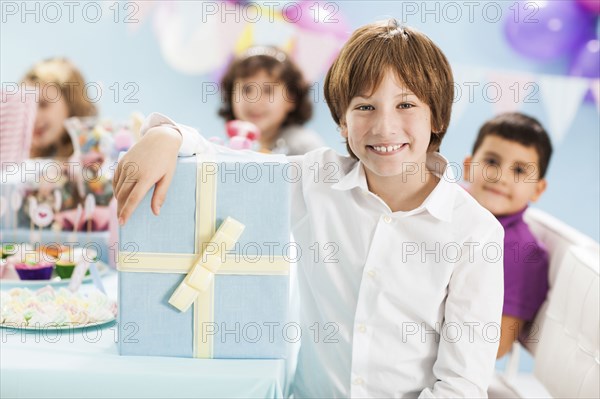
(522, 129)
(415, 59)
(277, 64)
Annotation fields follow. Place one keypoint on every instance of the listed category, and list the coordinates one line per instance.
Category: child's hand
(151, 161)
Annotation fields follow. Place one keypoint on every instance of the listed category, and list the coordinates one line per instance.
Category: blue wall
(110, 53)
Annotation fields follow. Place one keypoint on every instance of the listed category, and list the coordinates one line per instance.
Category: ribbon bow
(203, 271)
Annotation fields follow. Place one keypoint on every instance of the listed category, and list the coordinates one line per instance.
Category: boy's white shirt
(386, 287)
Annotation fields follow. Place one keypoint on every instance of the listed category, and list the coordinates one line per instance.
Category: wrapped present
(188, 286)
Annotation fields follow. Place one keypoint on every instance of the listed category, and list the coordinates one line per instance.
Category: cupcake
(65, 265)
(7, 250)
(53, 250)
(34, 267)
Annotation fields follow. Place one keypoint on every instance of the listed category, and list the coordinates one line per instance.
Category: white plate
(56, 328)
(11, 279)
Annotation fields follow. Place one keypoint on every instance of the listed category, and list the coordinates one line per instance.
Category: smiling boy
(506, 172)
(410, 303)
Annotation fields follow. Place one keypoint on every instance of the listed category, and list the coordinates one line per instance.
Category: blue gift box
(244, 313)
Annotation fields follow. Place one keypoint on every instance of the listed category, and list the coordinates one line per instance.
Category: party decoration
(590, 5)
(89, 207)
(17, 118)
(201, 37)
(545, 30)
(561, 109)
(243, 129)
(586, 62)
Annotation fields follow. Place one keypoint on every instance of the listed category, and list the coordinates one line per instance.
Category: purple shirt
(525, 268)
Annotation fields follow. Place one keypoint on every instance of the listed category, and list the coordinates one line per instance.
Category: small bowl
(38, 271)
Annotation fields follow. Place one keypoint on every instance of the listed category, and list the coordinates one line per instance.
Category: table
(85, 363)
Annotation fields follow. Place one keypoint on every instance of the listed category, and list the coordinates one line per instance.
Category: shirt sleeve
(465, 362)
(192, 142)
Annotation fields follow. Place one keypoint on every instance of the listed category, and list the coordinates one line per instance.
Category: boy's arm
(511, 328)
(152, 161)
(471, 330)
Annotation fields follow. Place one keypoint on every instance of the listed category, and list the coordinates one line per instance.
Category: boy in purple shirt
(506, 172)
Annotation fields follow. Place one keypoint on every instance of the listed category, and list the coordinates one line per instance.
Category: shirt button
(358, 381)
(371, 273)
(362, 328)
(387, 219)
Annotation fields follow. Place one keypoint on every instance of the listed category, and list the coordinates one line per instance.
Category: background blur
(157, 56)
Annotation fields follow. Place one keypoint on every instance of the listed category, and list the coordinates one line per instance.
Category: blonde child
(506, 172)
(61, 95)
(265, 87)
(408, 302)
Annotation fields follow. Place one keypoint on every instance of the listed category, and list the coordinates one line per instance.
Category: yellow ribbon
(198, 285)
(202, 273)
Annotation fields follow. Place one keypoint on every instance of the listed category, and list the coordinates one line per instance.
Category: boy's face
(389, 129)
(504, 175)
(262, 100)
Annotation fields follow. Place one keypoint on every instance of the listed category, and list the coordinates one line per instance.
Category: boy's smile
(504, 175)
(388, 129)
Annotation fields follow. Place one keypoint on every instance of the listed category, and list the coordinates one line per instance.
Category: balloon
(586, 62)
(590, 5)
(546, 30)
(316, 17)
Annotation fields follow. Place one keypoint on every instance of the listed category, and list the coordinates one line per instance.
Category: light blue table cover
(86, 363)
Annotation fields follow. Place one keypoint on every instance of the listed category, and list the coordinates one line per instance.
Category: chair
(565, 335)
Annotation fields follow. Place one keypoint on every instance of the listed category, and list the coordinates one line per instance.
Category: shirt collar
(354, 178)
(440, 201)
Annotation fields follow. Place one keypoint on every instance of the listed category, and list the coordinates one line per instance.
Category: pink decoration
(99, 221)
(243, 129)
(17, 117)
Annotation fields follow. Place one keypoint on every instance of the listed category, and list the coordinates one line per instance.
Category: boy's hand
(151, 161)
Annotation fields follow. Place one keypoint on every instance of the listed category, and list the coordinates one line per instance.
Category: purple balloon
(587, 61)
(590, 5)
(549, 29)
